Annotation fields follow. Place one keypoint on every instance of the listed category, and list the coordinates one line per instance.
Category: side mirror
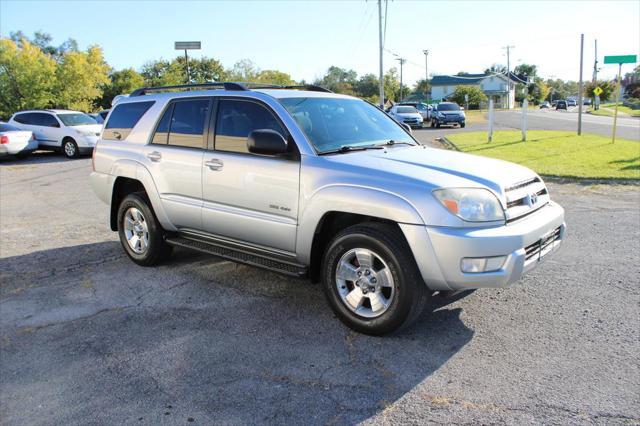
(266, 142)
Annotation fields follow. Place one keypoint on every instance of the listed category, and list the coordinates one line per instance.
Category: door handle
(154, 156)
(214, 164)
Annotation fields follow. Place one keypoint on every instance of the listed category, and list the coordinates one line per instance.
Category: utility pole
(402, 61)
(595, 62)
(426, 71)
(509, 75)
(580, 86)
(381, 51)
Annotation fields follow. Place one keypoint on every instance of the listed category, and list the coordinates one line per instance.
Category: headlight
(471, 204)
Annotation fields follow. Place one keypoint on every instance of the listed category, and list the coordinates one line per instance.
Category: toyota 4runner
(310, 183)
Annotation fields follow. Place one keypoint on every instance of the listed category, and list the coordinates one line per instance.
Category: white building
(493, 85)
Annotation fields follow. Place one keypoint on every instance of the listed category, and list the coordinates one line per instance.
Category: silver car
(310, 183)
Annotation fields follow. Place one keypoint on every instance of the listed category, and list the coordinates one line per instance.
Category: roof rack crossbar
(225, 86)
(228, 86)
(309, 87)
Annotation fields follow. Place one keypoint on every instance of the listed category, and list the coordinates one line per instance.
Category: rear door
(174, 158)
(248, 197)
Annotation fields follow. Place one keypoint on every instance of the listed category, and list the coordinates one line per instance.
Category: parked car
(545, 104)
(310, 183)
(561, 105)
(72, 132)
(554, 103)
(586, 101)
(100, 116)
(423, 109)
(572, 102)
(448, 113)
(14, 141)
(406, 114)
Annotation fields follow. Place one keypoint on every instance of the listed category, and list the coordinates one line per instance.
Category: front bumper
(526, 243)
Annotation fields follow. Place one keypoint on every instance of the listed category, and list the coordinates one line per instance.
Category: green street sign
(621, 59)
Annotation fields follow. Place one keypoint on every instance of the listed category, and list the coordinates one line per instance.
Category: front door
(247, 197)
(174, 159)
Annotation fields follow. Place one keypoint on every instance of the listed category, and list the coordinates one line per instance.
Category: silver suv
(306, 182)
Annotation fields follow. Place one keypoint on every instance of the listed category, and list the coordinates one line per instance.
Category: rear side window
(47, 120)
(124, 118)
(236, 119)
(23, 118)
(182, 124)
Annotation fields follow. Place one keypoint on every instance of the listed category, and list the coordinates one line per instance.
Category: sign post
(490, 137)
(187, 45)
(619, 59)
(525, 105)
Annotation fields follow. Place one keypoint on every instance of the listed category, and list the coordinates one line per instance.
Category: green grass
(558, 154)
(608, 110)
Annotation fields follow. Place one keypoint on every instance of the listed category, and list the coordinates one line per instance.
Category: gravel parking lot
(87, 337)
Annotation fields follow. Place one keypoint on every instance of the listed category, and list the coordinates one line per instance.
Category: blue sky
(304, 38)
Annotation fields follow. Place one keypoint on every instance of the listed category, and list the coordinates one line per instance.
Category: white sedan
(14, 141)
(406, 114)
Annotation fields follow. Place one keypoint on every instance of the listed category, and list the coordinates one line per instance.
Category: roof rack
(228, 86)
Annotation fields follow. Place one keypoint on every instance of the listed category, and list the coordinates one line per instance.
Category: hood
(440, 168)
(94, 128)
(409, 114)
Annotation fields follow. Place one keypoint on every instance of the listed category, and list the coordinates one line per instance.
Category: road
(87, 337)
(548, 119)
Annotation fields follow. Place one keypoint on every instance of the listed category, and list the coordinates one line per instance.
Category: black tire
(70, 148)
(462, 124)
(387, 242)
(438, 124)
(433, 123)
(23, 155)
(157, 249)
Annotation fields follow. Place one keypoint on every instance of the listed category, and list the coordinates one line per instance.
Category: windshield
(406, 109)
(333, 123)
(76, 119)
(448, 107)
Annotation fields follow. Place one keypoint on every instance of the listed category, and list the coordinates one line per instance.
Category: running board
(240, 256)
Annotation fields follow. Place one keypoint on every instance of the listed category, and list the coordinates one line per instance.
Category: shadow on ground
(88, 337)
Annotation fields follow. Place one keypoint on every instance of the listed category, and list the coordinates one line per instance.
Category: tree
(462, 74)
(368, 87)
(608, 89)
(120, 82)
(274, 77)
(474, 93)
(526, 70)
(339, 80)
(538, 91)
(27, 77)
(79, 79)
(43, 41)
(392, 85)
(162, 73)
(244, 70)
(496, 69)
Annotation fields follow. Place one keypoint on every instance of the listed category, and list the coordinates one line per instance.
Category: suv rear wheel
(370, 279)
(140, 233)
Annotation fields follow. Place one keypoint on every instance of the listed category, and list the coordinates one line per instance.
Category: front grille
(525, 197)
(542, 246)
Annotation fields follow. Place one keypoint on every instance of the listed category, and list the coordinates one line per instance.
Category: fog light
(482, 264)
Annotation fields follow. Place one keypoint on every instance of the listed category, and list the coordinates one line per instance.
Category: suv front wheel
(140, 233)
(371, 280)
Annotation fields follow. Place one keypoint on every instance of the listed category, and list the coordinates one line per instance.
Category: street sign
(597, 91)
(188, 45)
(621, 59)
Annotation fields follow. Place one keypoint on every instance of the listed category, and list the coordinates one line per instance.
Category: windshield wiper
(391, 142)
(348, 148)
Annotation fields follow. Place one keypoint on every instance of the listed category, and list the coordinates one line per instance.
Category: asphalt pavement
(88, 337)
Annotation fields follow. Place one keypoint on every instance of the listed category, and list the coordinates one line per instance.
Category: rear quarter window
(124, 118)
(22, 118)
